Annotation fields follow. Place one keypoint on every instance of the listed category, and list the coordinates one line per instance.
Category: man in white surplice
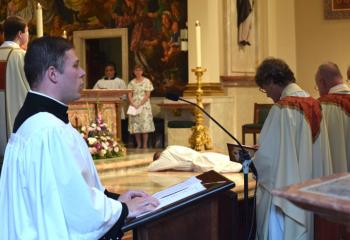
(12, 73)
(49, 187)
(293, 147)
(335, 101)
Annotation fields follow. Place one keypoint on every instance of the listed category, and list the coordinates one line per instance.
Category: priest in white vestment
(293, 148)
(12, 73)
(49, 186)
(335, 101)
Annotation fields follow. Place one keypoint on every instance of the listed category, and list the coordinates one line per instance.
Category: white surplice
(186, 159)
(287, 155)
(115, 83)
(17, 88)
(50, 176)
(336, 112)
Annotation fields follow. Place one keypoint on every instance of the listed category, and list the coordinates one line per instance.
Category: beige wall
(319, 40)
(294, 30)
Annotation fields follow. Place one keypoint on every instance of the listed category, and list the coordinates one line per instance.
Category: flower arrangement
(100, 141)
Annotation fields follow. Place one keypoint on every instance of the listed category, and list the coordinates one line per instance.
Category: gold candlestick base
(200, 139)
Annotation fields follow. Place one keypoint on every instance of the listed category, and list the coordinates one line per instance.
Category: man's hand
(127, 196)
(138, 202)
(139, 205)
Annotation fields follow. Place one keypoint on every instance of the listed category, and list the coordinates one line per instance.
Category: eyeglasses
(262, 90)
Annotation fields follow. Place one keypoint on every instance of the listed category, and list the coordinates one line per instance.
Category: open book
(180, 196)
(177, 192)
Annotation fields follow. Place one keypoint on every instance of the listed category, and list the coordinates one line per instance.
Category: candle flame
(39, 6)
(197, 23)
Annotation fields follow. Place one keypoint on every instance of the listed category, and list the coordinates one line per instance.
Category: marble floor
(130, 172)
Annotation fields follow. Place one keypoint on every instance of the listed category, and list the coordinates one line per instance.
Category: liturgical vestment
(49, 186)
(336, 112)
(16, 87)
(293, 147)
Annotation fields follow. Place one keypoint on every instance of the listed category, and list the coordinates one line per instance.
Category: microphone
(244, 155)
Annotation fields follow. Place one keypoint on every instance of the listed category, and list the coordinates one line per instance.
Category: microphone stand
(246, 164)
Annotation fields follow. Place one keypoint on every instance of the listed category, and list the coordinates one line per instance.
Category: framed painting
(336, 9)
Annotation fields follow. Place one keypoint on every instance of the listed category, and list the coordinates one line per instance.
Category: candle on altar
(64, 35)
(198, 44)
(39, 21)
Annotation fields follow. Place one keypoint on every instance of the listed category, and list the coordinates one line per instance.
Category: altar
(109, 103)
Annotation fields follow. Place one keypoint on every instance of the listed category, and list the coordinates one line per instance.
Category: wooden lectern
(329, 198)
(208, 214)
(109, 102)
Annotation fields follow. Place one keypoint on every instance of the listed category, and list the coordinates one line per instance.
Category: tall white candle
(39, 21)
(198, 44)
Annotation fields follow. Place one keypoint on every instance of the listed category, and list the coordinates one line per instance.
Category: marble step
(134, 162)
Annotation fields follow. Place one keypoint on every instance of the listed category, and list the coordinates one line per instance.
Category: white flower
(116, 149)
(91, 140)
(103, 153)
(105, 145)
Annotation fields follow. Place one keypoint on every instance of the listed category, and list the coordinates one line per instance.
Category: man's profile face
(71, 80)
(24, 37)
(272, 91)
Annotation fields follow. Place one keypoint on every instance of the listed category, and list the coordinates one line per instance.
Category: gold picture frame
(336, 9)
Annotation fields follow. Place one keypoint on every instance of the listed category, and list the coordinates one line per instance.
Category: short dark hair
(12, 26)
(112, 64)
(274, 70)
(41, 54)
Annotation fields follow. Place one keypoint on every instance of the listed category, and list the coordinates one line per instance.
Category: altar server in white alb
(49, 187)
(293, 148)
(110, 79)
(335, 101)
(12, 77)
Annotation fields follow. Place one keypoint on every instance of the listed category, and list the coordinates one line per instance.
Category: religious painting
(336, 9)
(240, 37)
(153, 31)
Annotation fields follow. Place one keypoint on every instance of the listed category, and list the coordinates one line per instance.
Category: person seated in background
(293, 148)
(335, 102)
(111, 81)
(49, 185)
(182, 158)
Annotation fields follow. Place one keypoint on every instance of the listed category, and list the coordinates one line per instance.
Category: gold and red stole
(340, 100)
(310, 107)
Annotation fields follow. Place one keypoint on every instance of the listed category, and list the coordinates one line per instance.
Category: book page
(177, 192)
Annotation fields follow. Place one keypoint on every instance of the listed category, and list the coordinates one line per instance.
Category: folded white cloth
(134, 111)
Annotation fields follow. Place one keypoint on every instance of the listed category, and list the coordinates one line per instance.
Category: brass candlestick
(200, 138)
